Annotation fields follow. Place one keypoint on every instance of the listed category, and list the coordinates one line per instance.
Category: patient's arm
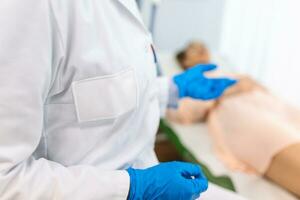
(245, 84)
(190, 111)
(285, 169)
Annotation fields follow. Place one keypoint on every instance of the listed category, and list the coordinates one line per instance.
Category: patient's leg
(285, 169)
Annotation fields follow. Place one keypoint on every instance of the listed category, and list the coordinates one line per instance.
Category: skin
(285, 166)
(195, 53)
(285, 169)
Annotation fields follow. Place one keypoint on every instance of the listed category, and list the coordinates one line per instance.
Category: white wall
(262, 38)
(179, 21)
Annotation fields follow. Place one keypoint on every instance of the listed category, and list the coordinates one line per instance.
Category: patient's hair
(194, 53)
(180, 57)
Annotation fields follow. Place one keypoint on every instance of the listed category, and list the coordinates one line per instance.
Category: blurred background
(256, 38)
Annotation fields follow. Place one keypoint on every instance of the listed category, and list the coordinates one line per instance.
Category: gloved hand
(193, 83)
(167, 181)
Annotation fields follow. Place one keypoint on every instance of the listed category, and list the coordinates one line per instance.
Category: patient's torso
(255, 126)
(247, 128)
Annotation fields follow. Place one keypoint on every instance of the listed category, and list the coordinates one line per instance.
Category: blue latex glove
(193, 83)
(167, 181)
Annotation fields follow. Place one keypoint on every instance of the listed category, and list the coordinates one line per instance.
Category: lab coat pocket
(105, 97)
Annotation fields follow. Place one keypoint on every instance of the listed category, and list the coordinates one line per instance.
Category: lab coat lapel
(132, 9)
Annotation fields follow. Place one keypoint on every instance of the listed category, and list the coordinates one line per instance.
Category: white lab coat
(79, 98)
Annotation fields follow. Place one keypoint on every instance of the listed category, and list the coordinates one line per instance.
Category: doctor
(80, 104)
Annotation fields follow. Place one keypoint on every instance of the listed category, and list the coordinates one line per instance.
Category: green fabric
(223, 181)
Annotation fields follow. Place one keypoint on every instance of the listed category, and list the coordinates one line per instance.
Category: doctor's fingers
(206, 67)
(225, 82)
(197, 185)
(192, 171)
(218, 87)
(198, 70)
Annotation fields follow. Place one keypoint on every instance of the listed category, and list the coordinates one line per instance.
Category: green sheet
(223, 181)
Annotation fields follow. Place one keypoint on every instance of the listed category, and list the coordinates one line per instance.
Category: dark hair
(180, 57)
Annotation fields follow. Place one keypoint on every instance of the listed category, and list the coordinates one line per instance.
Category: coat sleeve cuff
(168, 94)
(122, 185)
(163, 87)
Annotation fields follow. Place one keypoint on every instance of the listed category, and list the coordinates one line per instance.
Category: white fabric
(163, 84)
(217, 193)
(46, 47)
(108, 96)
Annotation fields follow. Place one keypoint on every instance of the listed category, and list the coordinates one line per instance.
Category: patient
(253, 131)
